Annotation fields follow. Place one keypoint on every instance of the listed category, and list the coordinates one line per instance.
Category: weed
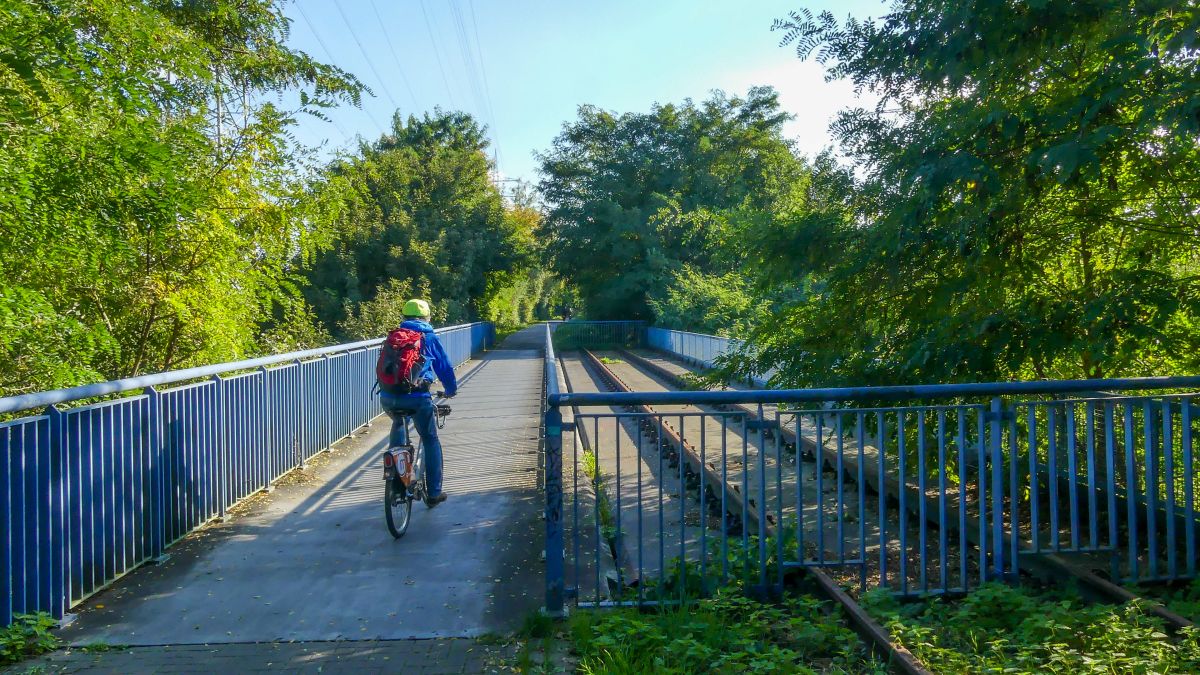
(537, 625)
(1002, 628)
(1184, 601)
(28, 635)
(609, 359)
(490, 639)
(591, 469)
(525, 662)
(100, 647)
(726, 633)
(535, 656)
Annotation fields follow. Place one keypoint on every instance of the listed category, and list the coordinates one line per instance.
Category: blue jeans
(424, 419)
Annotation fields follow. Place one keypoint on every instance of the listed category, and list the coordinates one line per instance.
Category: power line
(468, 59)
(482, 64)
(474, 70)
(370, 63)
(395, 56)
(329, 57)
(483, 68)
(345, 136)
(437, 54)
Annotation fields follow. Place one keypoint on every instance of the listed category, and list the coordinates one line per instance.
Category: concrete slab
(444, 656)
(314, 561)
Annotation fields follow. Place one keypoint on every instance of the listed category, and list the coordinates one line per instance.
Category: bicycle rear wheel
(397, 508)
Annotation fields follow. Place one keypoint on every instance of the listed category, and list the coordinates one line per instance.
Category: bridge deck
(313, 560)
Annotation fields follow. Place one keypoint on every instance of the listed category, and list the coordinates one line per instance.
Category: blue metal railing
(552, 429)
(697, 348)
(597, 334)
(88, 493)
(978, 480)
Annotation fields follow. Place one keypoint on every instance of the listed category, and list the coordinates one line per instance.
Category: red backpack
(400, 362)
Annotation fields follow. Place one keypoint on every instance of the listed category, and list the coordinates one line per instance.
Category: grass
(537, 637)
(727, 633)
(537, 625)
(609, 359)
(998, 628)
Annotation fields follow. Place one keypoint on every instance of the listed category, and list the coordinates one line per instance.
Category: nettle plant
(28, 635)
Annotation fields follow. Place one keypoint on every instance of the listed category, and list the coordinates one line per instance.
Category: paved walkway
(313, 560)
(416, 657)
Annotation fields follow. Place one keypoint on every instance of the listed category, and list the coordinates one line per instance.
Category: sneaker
(435, 500)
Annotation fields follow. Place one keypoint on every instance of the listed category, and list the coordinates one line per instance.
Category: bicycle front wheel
(397, 508)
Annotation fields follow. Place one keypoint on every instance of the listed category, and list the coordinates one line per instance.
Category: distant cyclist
(410, 357)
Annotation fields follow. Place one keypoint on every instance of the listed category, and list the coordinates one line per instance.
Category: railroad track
(738, 506)
(1047, 565)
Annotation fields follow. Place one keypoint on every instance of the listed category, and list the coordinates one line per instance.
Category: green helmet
(416, 308)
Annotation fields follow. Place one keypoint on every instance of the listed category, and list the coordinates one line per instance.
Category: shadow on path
(314, 561)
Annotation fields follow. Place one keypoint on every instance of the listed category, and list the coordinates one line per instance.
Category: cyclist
(419, 404)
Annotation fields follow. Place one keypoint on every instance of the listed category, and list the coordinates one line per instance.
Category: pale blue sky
(541, 59)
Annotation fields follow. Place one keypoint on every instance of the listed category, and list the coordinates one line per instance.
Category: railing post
(302, 413)
(266, 461)
(997, 506)
(158, 475)
(327, 410)
(222, 431)
(555, 583)
(59, 480)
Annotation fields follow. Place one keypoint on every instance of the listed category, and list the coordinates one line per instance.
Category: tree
(635, 200)
(1027, 201)
(150, 214)
(417, 214)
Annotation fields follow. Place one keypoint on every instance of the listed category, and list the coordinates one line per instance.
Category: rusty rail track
(872, 631)
(1047, 566)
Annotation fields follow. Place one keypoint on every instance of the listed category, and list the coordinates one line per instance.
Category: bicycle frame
(395, 459)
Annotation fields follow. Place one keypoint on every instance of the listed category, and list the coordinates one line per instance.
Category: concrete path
(412, 657)
(313, 561)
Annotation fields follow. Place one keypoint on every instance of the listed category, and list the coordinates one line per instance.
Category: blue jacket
(436, 361)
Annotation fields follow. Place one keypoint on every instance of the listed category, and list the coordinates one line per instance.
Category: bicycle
(404, 474)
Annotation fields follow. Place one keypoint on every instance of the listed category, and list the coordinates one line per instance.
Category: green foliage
(530, 294)
(728, 633)
(1000, 628)
(28, 635)
(536, 625)
(1024, 206)
(1184, 600)
(639, 203)
(152, 206)
(375, 317)
(416, 214)
(570, 335)
(704, 303)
